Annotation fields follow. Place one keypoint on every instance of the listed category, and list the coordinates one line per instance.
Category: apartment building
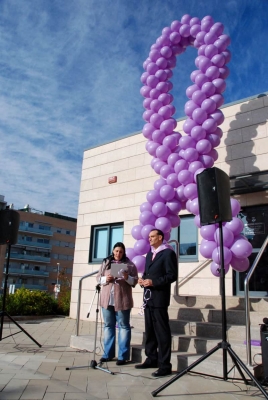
(43, 253)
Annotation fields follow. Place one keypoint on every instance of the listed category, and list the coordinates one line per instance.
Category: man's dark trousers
(158, 336)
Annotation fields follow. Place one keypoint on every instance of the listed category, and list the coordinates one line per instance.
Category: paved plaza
(29, 372)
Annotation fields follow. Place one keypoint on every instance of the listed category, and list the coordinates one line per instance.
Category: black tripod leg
(238, 367)
(20, 327)
(187, 369)
(243, 366)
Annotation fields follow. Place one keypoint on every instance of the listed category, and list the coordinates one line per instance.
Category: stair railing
(193, 273)
(247, 304)
(79, 299)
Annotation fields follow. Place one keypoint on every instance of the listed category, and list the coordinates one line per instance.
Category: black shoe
(147, 364)
(120, 362)
(161, 372)
(104, 359)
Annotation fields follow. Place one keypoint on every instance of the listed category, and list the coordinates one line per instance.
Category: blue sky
(70, 79)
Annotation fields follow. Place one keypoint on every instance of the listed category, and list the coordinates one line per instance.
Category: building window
(44, 227)
(187, 236)
(103, 238)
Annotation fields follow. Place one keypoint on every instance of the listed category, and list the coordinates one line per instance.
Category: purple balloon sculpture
(179, 158)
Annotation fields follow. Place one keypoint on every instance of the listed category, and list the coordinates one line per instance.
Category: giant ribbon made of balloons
(179, 158)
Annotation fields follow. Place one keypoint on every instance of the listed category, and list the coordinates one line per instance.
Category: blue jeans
(111, 317)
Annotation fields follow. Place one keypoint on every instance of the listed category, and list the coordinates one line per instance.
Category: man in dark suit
(161, 269)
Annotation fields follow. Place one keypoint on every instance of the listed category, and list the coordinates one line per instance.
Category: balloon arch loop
(179, 158)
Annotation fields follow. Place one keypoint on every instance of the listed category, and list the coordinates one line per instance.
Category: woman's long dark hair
(110, 258)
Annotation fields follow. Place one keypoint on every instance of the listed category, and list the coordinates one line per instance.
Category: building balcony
(30, 287)
(33, 244)
(27, 257)
(35, 230)
(26, 272)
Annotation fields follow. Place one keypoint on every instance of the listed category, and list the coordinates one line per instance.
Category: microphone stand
(93, 363)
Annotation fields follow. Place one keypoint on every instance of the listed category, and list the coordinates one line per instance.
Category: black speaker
(264, 348)
(9, 226)
(213, 186)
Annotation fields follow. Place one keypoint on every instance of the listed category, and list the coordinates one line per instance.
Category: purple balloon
(240, 264)
(241, 248)
(141, 246)
(139, 261)
(181, 165)
(166, 170)
(167, 192)
(180, 194)
(236, 225)
(130, 253)
(186, 141)
(158, 165)
(185, 177)
(136, 232)
(158, 136)
(198, 133)
(207, 232)
(153, 196)
(145, 207)
(216, 269)
(190, 154)
(199, 115)
(147, 218)
(174, 205)
(174, 220)
(172, 180)
(203, 146)
(173, 158)
(207, 247)
(159, 183)
(159, 209)
(197, 221)
(195, 206)
(162, 152)
(235, 206)
(194, 166)
(190, 191)
(163, 224)
(146, 230)
(227, 236)
(227, 255)
(170, 141)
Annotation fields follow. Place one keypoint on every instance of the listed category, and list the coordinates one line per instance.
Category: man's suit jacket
(163, 270)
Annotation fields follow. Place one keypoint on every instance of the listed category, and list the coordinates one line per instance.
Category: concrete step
(212, 365)
(195, 344)
(211, 330)
(214, 302)
(234, 317)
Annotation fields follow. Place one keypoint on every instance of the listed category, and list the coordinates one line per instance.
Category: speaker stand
(224, 345)
(3, 313)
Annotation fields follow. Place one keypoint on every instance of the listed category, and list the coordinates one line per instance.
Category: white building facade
(116, 177)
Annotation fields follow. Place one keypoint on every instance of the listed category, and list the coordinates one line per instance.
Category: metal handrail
(79, 299)
(194, 272)
(177, 254)
(247, 305)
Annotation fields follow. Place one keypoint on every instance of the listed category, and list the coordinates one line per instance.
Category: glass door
(255, 221)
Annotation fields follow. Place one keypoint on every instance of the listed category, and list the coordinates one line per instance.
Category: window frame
(187, 258)
(93, 239)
